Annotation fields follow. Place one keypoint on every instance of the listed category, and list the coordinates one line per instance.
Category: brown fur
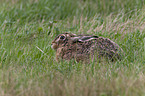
(85, 48)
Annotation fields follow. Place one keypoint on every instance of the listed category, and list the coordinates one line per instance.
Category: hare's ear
(76, 39)
(88, 38)
(83, 38)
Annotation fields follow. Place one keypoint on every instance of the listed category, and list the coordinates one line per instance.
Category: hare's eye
(62, 37)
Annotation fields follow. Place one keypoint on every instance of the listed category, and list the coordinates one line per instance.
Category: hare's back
(106, 44)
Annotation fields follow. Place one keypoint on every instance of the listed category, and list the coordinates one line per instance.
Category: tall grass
(61, 9)
(26, 26)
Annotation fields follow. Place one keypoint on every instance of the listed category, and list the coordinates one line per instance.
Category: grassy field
(26, 26)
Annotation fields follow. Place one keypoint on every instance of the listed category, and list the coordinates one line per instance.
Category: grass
(27, 26)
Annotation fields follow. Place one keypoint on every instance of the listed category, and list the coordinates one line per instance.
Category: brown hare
(85, 48)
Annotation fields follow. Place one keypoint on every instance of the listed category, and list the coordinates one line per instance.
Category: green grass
(26, 26)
